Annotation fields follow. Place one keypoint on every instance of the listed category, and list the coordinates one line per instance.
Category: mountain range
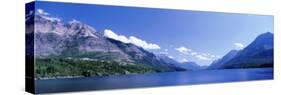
(53, 38)
(74, 39)
(188, 65)
(258, 54)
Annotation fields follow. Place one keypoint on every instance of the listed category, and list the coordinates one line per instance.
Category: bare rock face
(56, 38)
(74, 39)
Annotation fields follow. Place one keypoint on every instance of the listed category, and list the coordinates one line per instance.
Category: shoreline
(69, 77)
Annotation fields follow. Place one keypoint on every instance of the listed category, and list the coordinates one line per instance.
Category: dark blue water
(151, 80)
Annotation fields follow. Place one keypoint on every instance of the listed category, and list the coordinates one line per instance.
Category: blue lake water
(152, 80)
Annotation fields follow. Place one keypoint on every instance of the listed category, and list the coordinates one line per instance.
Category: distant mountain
(167, 59)
(191, 66)
(141, 56)
(74, 39)
(256, 55)
(185, 65)
(218, 63)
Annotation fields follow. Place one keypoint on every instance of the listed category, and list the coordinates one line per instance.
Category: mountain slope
(141, 56)
(256, 55)
(190, 66)
(167, 59)
(76, 40)
(185, 65)
(72, 39)
(218, 63)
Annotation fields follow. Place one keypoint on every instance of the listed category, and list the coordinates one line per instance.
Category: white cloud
(171, 57)
(183, 60)
(193, 53)
(52, 18)
(134, 40)
(46, 15)
(74, 21)
(142, 43)
(110, 34)
(29, 13)
(202, 57)
(206, 56)
(238, 45)
(163, 52)
(42, 12)
(183, 50)
(218, 56)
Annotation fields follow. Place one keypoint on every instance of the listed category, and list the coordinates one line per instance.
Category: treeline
(59, 67)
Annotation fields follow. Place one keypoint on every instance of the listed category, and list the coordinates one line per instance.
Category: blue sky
(180, 34)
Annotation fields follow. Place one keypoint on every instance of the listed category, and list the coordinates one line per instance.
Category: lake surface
(152, 80)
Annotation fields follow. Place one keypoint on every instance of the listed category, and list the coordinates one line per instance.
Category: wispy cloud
(193, 53)
(110, 34)
(42, 12)
(46, 15)
(171, 57)
(183, 50)
(163, 52)
(183, 60)
(132, 39)
(143, 43)
(201, 57)
(206, 56)
(239, 45)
